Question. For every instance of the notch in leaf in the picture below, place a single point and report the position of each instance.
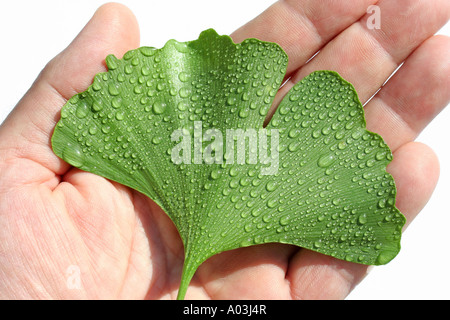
(319, 180)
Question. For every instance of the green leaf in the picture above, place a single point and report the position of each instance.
(184, 126)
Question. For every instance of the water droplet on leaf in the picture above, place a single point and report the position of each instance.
(73, 155)
(325, 160)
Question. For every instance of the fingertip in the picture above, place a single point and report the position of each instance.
(122, 23)
(415, 169)
(113, 29)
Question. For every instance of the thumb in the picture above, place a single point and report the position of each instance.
(26, 132)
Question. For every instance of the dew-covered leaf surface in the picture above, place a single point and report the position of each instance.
(184, 126)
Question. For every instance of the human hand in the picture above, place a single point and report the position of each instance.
(53, 216)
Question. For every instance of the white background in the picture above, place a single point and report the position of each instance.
(33, 32)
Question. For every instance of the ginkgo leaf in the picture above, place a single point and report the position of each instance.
(184, 125)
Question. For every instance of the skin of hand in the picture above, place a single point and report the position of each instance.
(57, 222)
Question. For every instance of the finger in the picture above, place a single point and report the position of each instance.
(301, 28)
(313, 275)
(366, 57)
(27, 130)
(414, 95)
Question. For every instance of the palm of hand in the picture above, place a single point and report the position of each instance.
(54, 217)
(98, 239)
